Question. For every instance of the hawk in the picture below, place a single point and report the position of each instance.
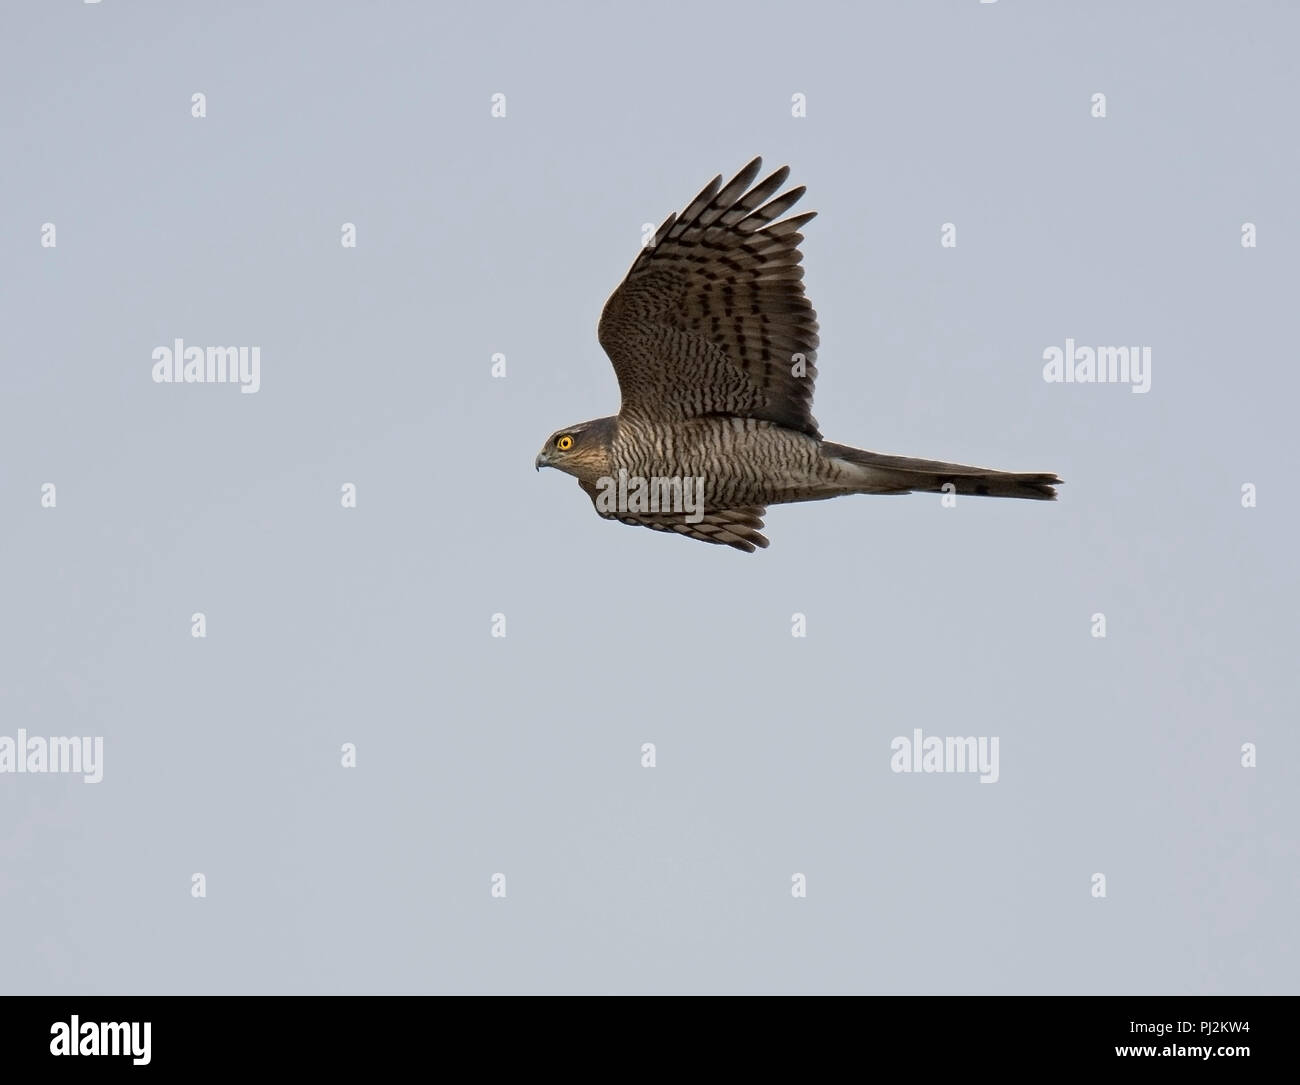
(713, 342)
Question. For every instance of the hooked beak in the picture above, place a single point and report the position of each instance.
(543, 460)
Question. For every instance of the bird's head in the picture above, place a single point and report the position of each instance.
(581, 450)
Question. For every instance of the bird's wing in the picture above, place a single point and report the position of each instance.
(741, 527)
(712, 317)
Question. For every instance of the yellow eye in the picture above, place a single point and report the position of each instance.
(564, 443)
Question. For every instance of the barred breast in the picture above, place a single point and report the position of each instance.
(743, 461)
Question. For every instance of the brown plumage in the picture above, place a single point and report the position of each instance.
(714, 342)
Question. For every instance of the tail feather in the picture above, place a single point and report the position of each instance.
(878, 473)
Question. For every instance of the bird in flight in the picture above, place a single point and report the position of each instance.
(713, 342)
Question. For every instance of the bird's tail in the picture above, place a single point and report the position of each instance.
(876, 473)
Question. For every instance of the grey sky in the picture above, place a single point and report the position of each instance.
(478, 755)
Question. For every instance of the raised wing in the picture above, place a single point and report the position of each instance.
(712, 317)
